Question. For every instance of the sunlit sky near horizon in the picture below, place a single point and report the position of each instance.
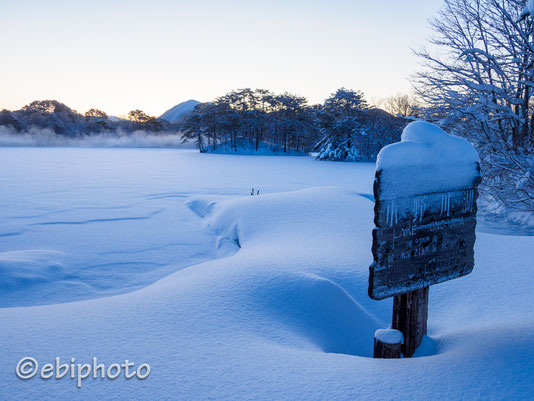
(123, 55)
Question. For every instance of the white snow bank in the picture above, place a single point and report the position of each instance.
(287, 317)
(121, 217)
(426, 160)
(389, 336)
(311, 297)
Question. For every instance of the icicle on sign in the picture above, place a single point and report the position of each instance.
(425, 211)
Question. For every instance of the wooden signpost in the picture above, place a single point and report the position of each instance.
(420, 240)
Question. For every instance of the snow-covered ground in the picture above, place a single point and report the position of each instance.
(163, 257)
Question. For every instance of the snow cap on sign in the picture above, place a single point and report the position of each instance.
(427, 160)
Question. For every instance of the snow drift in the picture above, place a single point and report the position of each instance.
(285, 315)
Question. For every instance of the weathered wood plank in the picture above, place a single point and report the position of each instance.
(421, 240)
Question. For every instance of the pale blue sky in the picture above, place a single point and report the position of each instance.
(121, 55)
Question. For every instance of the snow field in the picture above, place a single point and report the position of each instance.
(278, 308)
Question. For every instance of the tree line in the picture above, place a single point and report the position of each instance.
(62, 120)
(344, 127)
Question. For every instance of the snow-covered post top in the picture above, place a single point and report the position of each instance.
(427, 160)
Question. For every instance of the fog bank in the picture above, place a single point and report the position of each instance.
(37, 137)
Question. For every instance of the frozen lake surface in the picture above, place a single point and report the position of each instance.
(84, 223)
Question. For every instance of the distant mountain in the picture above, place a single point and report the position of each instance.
(179, 111)
(115, 119)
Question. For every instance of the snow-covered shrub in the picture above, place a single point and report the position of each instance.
(341, 143)
(509, 179)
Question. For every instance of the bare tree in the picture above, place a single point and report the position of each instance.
(402, 105)
(478, 81)
(483, 68)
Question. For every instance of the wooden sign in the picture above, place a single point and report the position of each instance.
(425, 217)
(421, 240)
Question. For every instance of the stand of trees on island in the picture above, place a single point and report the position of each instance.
(343, 128)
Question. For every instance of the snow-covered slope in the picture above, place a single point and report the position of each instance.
(70, 215)
(280, 311)
(179, 111)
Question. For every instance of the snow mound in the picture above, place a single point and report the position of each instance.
(311, 299)
(321, 311)
(201, 206)
(426, 160)
(19, 269)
